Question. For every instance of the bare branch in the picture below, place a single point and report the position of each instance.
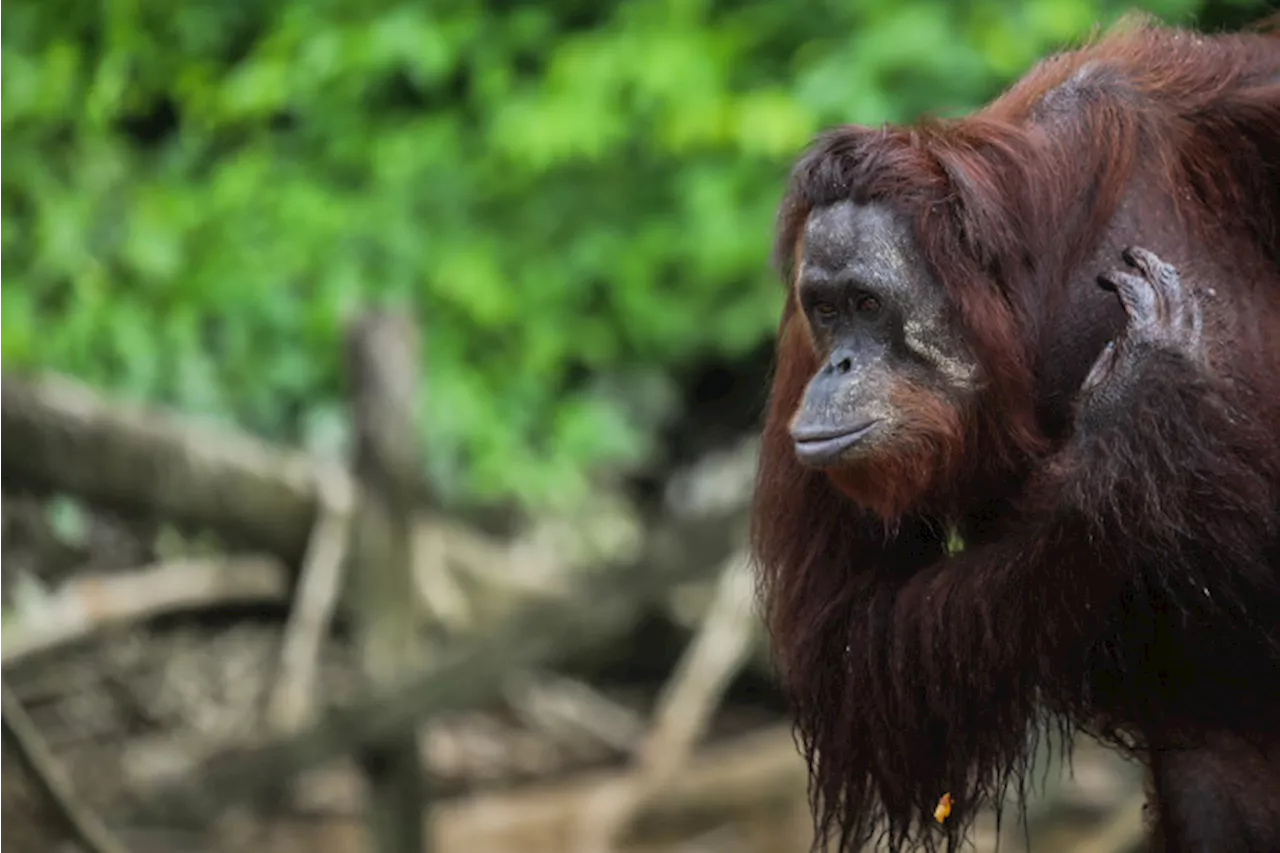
(718, 651)
(87, 828)
(317, 595)
(92, 603)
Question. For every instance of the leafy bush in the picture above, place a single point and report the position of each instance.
(575, 197)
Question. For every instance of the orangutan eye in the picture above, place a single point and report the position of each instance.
(867, 304)
(826, 313)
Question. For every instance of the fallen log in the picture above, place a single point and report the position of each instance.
(62, 436)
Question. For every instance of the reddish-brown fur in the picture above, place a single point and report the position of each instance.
(913, 673)
(925, 453)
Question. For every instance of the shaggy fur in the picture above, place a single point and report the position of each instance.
(1121, 572)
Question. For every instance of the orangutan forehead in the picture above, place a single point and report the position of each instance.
(864, 243)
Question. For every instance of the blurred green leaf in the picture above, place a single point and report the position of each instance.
(68, 520)
(575, 198)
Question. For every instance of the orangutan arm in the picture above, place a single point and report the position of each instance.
(1138, 574)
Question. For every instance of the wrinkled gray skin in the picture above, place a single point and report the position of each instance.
(851, 252)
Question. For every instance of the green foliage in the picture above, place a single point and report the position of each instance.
(196, 195)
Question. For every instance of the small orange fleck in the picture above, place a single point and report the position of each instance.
(943, 810)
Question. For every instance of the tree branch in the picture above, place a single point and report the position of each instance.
(92, 603)
(716, 653)
(317, 596)
(35, 755)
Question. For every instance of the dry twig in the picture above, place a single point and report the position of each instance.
(691, 696)
(35, 755)
(318, 587)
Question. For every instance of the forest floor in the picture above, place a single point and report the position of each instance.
(125, 712)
